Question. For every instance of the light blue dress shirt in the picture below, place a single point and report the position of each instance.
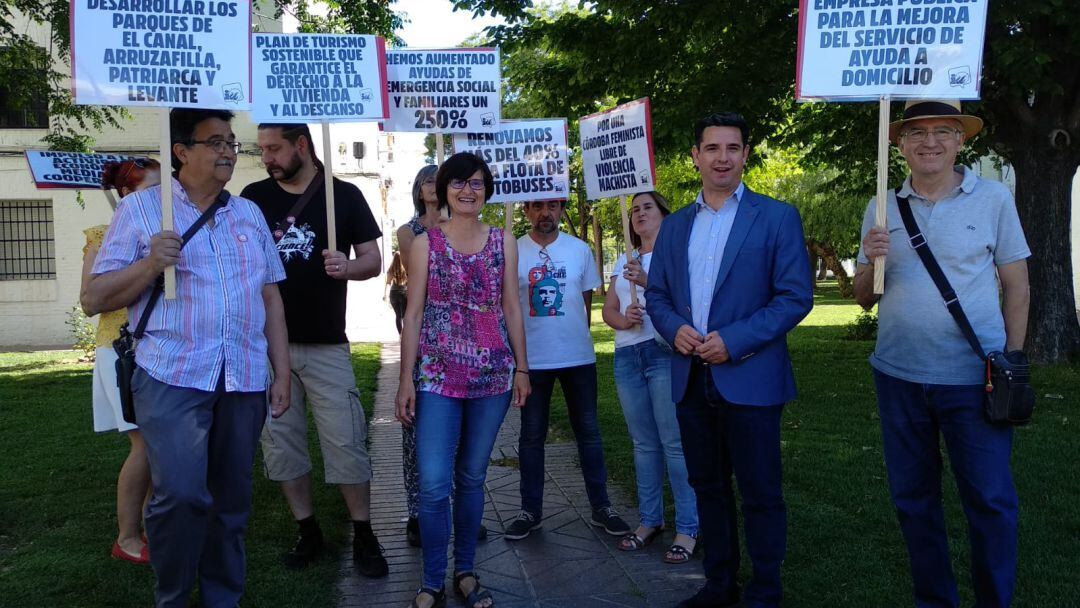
(708, 237)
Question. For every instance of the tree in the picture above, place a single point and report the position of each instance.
(690, 57)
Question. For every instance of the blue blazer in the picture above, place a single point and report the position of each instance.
(763, 289)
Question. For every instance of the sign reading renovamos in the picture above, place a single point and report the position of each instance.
(528, 159)
(443, 90)
(165, 53)
(616, 151)
(69, 170)
(300, 77)
(853, 50)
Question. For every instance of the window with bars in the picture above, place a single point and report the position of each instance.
(27, 249)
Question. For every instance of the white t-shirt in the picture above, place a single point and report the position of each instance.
(639, 333)
(551, 281)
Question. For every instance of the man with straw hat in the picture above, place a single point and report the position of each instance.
(929, 380)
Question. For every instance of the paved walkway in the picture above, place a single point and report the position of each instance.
(569, 564)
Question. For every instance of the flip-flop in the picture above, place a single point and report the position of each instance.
(633, 542)
(439, 597)
(678, 554)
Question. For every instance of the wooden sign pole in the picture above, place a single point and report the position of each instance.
(629, 244)
(328, 176)
(439, 154)
(166, 195)
(881, 215)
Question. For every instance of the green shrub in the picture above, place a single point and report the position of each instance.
(864, 327)
(83, 332)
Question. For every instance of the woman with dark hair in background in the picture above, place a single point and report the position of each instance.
(428, 215)
(462, 363)
(396, 282)
(643, 383)
(133, 484)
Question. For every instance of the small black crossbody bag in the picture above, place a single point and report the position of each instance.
(1009, 396)
(125, 344)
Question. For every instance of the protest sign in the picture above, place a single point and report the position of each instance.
(174, 53)
(317, 77)
(617, 152)
(527, 158)
(852, 50)
(69, 170)
(444, 90)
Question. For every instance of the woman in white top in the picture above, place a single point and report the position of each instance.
(643, 383)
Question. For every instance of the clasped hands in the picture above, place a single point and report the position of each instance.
(709, 348)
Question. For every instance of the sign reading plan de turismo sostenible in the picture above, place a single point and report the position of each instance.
(528, 159)
(318, 77)
(164, 53)
(616, 151)
(852, 50)
(443, 90)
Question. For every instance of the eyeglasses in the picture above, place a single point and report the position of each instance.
(428, 182)
(131, 163)
(917, 136)
(476, 185)
(219, 145)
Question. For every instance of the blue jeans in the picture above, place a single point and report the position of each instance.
(643, 382)
(912, 415)
(721, 438)
(579, 389)
(201, 448)
(440, 423)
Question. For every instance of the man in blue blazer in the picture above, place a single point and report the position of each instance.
(730, 277)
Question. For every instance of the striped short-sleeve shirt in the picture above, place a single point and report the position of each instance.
(218, 317)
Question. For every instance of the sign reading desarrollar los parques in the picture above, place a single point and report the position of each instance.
(616, 151)
(852, 50)
(528, 159)
(443, 90)
(318, 77)
(165, 53)
(69, 170)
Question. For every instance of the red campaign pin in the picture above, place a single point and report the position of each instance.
(278, 234)
(242, 238)
(291, 220)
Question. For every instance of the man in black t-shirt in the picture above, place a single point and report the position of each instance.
(314, 293)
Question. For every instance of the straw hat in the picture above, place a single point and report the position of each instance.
(918, 109)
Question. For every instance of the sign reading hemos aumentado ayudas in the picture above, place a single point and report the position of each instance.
(317, 77)
(528, 159)
(444, 90)
(163, 53)
(616, 151)
(857, 50)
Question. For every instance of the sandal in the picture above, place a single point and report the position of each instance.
(678, 554)
(477, 595)
(633, 542)
(439, 597)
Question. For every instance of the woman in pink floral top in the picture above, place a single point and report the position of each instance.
(462, 365)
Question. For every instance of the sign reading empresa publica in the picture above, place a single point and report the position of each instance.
(528, 159)
(315, 77)
(444, 90)
(616, 151)
(164, 53)
(69, 170)
(855, 50)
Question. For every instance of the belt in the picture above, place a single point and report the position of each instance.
(698, 361)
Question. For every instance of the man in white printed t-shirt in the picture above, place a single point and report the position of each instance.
(557, 275)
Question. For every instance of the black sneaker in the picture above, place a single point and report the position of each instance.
(608, 519)
(522, 526)
(412, 532)
(483, 533)
(308, 549)
(368, 556)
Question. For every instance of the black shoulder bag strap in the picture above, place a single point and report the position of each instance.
(159, 284)
(952, 302)
(290, 218)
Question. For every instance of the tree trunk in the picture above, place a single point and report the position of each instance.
(823, 272)
(1043, 184)
(813, 265)
(599, 251)
(828, 255)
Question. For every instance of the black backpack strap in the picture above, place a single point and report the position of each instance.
(159, 284)
(921, 247)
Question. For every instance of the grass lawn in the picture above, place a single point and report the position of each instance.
(844, 544)
(58, 499)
